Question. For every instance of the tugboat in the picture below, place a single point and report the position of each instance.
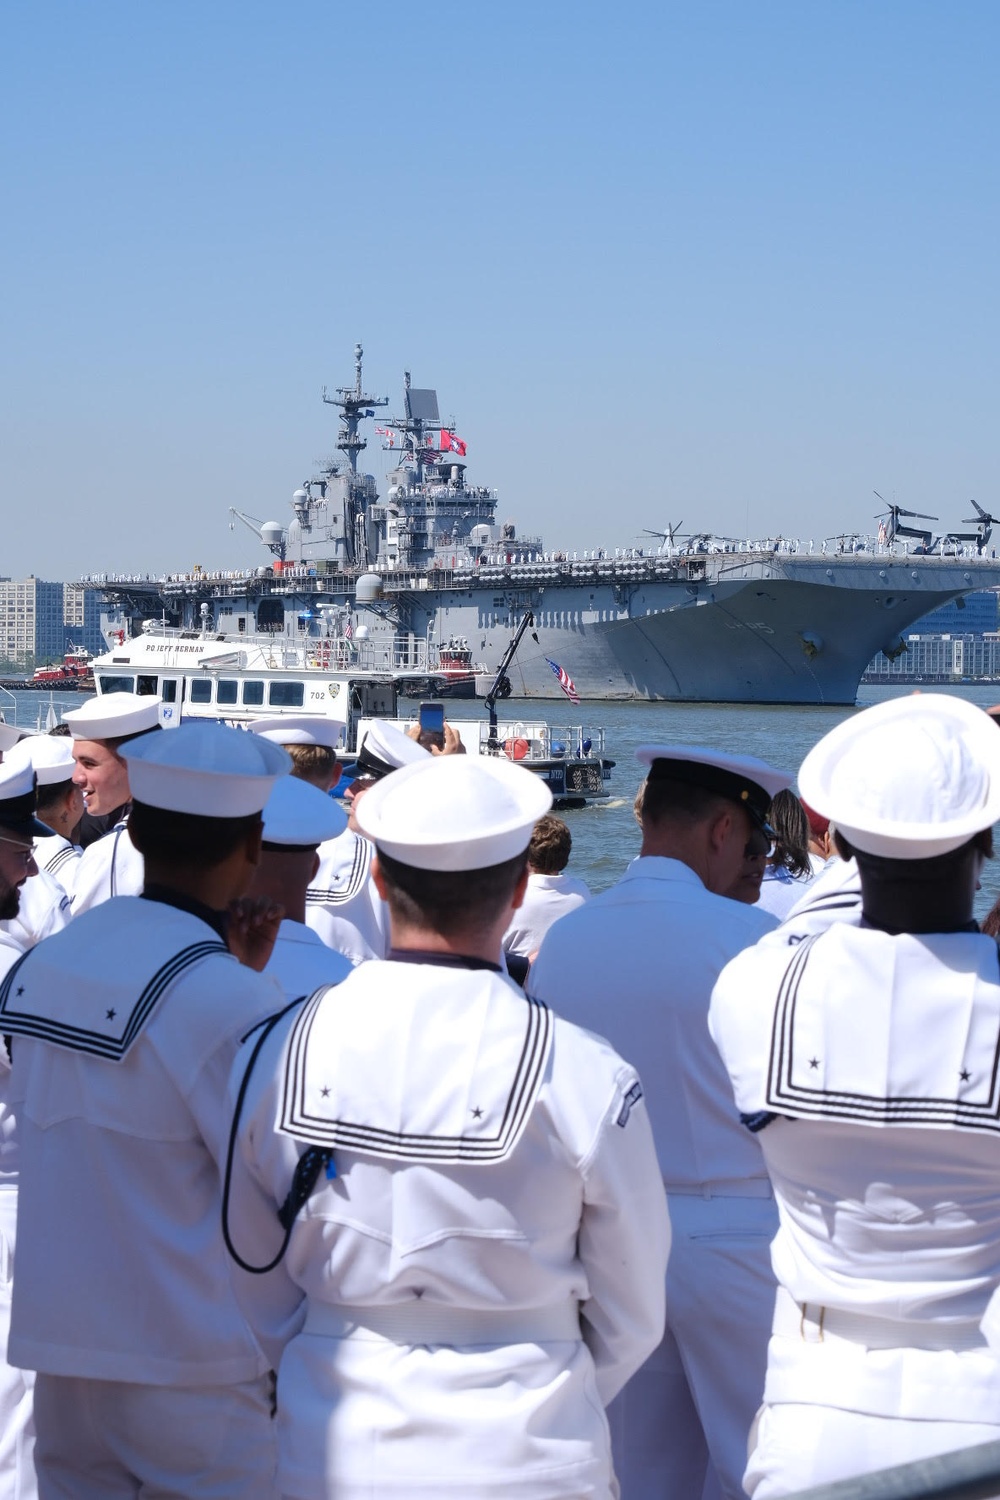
(76, 672)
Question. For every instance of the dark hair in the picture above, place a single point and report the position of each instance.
(187, 838)
(664, 799)
(61, 731)
(791, 828)
(934, 869)
(312, 763)
(449, 901)
(551, 843)
(48, 794)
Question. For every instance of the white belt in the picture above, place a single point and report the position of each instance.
(433, 1323)
(812, 1323)
(724, 1187)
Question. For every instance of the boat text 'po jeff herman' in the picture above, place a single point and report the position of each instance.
(427, 568)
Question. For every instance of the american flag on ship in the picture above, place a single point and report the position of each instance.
(348, 631)
(565, 681)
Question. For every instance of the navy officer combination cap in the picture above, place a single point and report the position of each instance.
(17, 803)
(743, 779)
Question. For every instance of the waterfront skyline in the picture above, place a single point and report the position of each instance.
(725, 265)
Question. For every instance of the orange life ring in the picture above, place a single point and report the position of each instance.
(516, 749)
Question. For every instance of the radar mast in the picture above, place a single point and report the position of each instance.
(354, 405)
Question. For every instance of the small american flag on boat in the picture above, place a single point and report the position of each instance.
(348, 631)
(565, 681)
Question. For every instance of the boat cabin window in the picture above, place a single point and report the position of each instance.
(169, 693)
(286, 694)
(225, 691)
(146, 686)
(253, 694)
(201, 690)
(121, 684)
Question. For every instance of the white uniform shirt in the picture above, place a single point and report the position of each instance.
(112, 866)
(44, 909)
(547, 898)
(780, 891)
(637, 965)
(834, 896)
(301, 962)
(342, 905)
(574, 1214)
(122, 1272)
(867, 1063)
(57, 855)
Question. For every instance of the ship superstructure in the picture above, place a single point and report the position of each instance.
(427, 564)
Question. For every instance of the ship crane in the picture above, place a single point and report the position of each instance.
(895, 528)
(271, 533)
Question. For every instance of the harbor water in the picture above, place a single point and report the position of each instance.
(605, 835)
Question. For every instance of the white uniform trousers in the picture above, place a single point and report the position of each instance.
(17, 1427)
(680, 1428)
(122, 1441)
(800, 1446)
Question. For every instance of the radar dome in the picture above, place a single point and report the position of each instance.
(271, 533)
(300, 497)
(369, 588)
(361, 634)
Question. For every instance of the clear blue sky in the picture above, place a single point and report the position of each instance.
(732, 263)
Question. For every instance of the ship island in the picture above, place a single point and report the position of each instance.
(426, 579)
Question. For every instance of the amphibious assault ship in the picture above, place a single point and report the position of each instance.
(427, 565)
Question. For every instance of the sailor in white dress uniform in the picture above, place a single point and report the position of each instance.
(297, 818)
(112, 866)
(18, 827)
(125, 1027)
(637, 964)
(60, 802)
(343, 906)
(864, 1056)
(476, 1227)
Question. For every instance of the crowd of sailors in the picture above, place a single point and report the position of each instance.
(366, 1153)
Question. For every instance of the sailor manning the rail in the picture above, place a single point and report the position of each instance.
(476, 1230)
(864, 1057)
(100, 729)
(124, 1027)
(637, 964)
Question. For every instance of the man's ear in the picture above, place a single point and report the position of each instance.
(517, 898)
(719, 829)
(378, 878)
(253, 841)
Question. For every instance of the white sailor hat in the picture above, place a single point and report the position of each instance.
(301, 815)
(739, 778)
(113, 716)
(204, 768)
(908, 779)
(385, 749)
(50, 756)
(301, 729)
(10, 735)
(17, 802)
(454, 812)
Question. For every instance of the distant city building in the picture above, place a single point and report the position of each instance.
(975, 614)
(31, 619)
(82, 608)
(939, 658)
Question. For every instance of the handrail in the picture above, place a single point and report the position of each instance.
(966, 1474)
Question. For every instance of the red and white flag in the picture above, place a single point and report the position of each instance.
(452, 444)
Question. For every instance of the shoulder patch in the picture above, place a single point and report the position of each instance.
(629, 1103)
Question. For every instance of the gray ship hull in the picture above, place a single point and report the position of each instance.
(778, 627)
(796, 630)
